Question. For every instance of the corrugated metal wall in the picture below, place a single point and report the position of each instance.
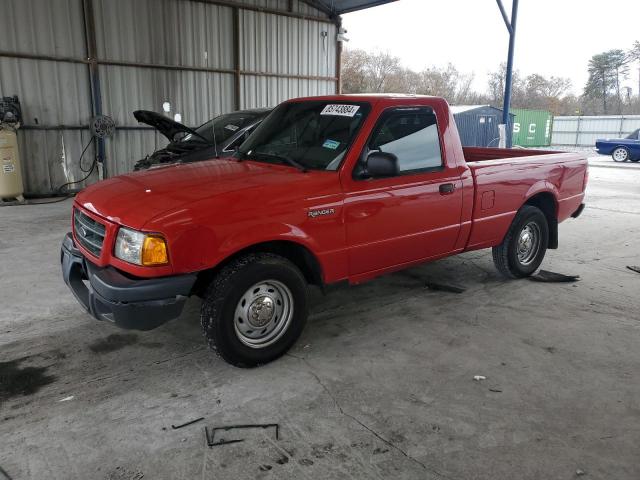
(583, 131)
(288, 48)
(53, 94)
(148, 52)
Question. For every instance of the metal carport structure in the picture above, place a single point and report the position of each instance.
(72, 59)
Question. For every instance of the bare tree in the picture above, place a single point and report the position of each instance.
(496, 84)
(634, 56)
(619, 61)
(364, 72)
(605, 71)
(369, 72)
(600, 80)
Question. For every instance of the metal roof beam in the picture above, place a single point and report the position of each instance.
(339, 7)
(503, 12)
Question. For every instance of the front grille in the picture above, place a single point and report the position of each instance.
(89, 232)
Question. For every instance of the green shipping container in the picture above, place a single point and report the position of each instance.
(532, 128)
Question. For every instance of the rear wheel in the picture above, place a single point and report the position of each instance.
(524, 247)
(620, 154)
(255, 309)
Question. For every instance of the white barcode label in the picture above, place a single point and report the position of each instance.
(340, 110)
(8, 168)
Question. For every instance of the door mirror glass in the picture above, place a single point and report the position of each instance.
(381, 164)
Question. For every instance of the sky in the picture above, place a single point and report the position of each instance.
(553, 37)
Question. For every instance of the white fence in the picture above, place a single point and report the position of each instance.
(583, 131)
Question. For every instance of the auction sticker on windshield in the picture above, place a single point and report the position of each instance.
(340, 110)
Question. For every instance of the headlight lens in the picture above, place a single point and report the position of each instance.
(140, 248)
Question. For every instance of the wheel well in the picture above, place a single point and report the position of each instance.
(546, 202)
(298, 254)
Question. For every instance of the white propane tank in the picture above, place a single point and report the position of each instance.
(10, 174)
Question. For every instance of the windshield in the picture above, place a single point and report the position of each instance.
(311, 134)
(225, 127)
(634, 135)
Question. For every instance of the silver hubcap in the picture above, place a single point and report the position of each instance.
(620, 155)
(263, 313)
(528, 243)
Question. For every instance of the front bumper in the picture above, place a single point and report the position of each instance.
(107, 294)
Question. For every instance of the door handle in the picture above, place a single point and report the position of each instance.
(447, 188)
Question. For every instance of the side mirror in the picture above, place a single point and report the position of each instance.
(381, 164)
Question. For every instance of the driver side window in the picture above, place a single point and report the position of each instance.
(411, 134)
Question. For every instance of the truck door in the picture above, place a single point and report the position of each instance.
(409, 217)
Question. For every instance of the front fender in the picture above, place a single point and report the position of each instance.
(272, 232)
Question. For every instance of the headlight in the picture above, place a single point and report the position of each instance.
(141, 248)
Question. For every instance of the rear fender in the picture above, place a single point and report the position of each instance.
(543, 186)
(538, 196)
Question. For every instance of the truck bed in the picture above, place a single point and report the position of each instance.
(502, 177)
(480, 154)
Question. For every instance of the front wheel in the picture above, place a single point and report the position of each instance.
(255, 309)
(620, 154)
(524, 247)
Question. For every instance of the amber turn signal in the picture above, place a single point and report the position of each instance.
(154, 251)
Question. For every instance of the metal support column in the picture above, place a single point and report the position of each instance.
(338, 57)
(236, 57)
(94, 77)
(511, 28)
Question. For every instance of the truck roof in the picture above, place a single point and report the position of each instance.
(359, 97)
(386, 98)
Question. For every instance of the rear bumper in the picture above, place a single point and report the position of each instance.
(107, 294)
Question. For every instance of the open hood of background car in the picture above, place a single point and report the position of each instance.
(167, 127)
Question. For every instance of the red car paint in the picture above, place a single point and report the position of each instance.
(211, 210)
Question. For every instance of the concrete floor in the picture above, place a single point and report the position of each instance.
(379, 386)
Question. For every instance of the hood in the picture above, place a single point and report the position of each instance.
(167, 127)
(136, 198)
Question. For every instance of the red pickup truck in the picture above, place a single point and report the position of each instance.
(326, 189)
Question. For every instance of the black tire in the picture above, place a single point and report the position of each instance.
(505, 255)
(622, 153)
(223, 297)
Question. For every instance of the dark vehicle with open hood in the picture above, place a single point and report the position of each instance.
(216, 138)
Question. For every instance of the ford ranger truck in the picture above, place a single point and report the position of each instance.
(325, 190)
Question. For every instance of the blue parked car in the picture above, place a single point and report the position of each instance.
(621, 149)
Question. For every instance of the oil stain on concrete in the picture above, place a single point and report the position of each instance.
(113, 342)
(20, 381)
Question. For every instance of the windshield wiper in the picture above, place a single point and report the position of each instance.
(286, 158)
